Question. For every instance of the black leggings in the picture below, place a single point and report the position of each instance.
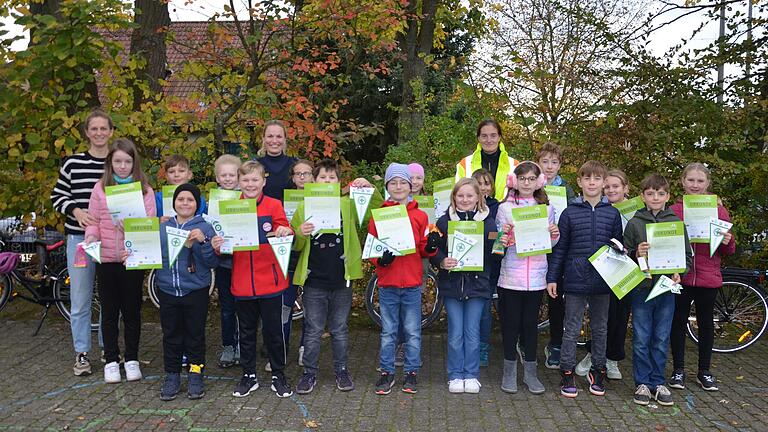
(120, 295)
(705, 305)
(518, 314)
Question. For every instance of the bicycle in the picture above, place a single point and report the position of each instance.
(431, 302)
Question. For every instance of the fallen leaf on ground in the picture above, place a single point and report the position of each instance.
(661, 428)
(311, 424)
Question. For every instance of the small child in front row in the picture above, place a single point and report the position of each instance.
(399, 281)
(465, 292)
(183, 293)
(177, 172)
(587, 224)
(651, 320)
(522, 279)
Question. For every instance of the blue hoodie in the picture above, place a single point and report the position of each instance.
(178, 280)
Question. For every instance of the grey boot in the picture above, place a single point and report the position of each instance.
(509, 380)
(531, 379)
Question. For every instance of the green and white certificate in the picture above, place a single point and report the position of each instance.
(667, 252)
(442, 192)
(239, 221)
(617, 270)
(125, 201)
(467, 246)
(291, 200)
(394, 228)
(216, 195)
(558, 197)
(322, 205)
(698, 210)
(168, 191)
(531, 230)
(427, 205)
(142, 241)
(628, 208)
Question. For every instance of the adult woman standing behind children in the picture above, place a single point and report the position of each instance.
(700, 286)
(276, 163)
(491, 155)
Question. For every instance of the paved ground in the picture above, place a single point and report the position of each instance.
(39, 392)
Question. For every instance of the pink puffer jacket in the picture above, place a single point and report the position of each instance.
(111, 237)
(522, 273)
(705, 271)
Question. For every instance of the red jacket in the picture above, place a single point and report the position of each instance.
(705, 271)
(405, 271)
(257, 273)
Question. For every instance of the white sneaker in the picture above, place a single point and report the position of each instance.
(471, 385)
(456, 386)
(301, 355)
(112, 373)
(582, 369)
(268, 367)
(132, 371)
(613, 371)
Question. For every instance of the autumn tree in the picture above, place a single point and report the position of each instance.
(148, 46)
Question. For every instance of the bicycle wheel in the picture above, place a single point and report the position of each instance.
(431, 302)
(740, 317)
(152, 287)
(61, 293)
(6, 286)
(297, 312)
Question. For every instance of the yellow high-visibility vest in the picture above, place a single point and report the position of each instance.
(473, 162)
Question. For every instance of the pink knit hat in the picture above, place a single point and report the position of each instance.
(415, 168)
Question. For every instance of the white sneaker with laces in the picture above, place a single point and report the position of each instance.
(112, 373)
(132, 371)
(613, 372)
(582, 369)
(456, 386)
(471, 385)
(268, 367)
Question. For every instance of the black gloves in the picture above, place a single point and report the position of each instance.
(433, 241)
(387, 258)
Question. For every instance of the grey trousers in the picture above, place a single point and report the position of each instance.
(598, 326)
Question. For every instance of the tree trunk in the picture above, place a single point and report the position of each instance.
(148, 43)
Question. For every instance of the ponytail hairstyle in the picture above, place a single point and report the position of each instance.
(621, 175)
(263, 150)
(697, 166)
(98, 113)
(540, 195)
(127, 146)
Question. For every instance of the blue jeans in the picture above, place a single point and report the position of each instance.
(229, 327)
(400, 305)
(80, 297)
(651, 325)
(463, 360)
(329, 306)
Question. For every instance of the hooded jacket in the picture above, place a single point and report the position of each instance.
(177, 280)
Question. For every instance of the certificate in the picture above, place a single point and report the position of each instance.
(617, 270)
(558, 197)
(442, 193)
(531, 230)
(427, 205)
(322, 205)
(628, 208)
(167, 194)
(125, 201)
(216, 195)
(667, 252)
(465, 243)
(394, 228)
(698, 210)
(291, 200)
(238, 220)
(142, 241)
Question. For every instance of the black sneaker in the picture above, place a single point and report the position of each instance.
(344, 380)
(568, 384)
(171, 387)
(385, 383)
(707, 381)
(677, 380)
(663, 396)
(195, 386)
(596, 379)
(247, 384)
(642, 395)
(306, 383)
(281, 387)
(410, 385)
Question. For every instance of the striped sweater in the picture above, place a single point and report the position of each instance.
(77, 176)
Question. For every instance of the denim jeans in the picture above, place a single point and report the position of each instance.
(329, 306)
(80, 297)
(400, 305)
(463, 360)
(598, 325)
(651, 325)
(229, 333)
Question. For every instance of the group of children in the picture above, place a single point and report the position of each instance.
(253, 289)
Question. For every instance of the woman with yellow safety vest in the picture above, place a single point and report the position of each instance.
(491, 155)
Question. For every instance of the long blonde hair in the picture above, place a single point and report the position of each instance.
(481, 206)
(697, 166)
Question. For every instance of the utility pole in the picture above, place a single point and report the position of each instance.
(721, 67)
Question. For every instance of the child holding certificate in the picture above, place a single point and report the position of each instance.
(119, 289)
(522, 279)
(177, 171)
(586, 225)
(258, 285)
(652, 318)
(225, 167)
(187, 243)
(465, 292)
(701, 285)
(403, 226)
(327, 263)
